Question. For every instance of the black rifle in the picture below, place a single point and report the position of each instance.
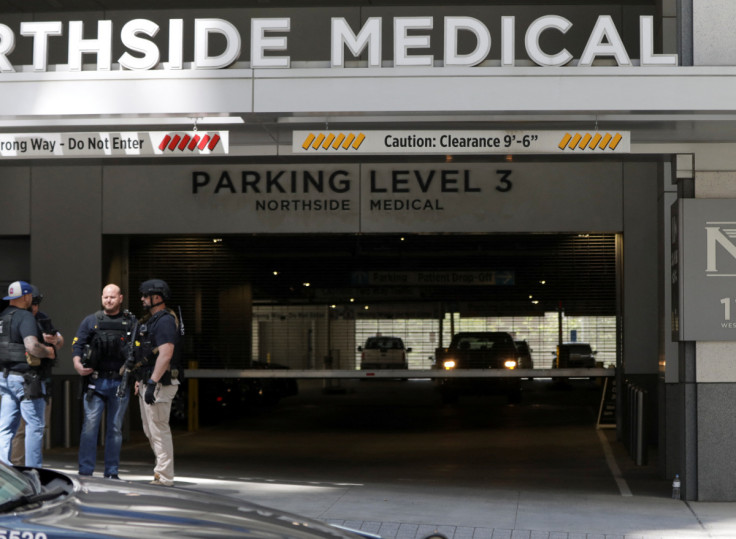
(129, 366)
(46, 326)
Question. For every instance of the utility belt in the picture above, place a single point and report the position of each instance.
(32, 382)
(21, 368)
(8, 371)
(111, 374)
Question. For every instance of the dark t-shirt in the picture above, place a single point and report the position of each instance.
(162, 328)
(23, 325)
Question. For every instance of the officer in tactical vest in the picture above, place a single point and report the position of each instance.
(99, 349)
(23, 360)
(47, 334)
(157, 375)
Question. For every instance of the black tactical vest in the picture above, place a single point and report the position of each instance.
(10, 353)
(148, 353)
(108, 344)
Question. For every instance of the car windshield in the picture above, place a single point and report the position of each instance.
(13, 484)
(580, 349)
(378, 342)
(475, 343)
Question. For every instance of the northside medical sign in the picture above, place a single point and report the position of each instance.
(703, 271)
(269, 43)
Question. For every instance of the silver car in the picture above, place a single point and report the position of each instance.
(46, 504)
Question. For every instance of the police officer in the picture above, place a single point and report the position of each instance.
(99, 348)
(48, 334)
(157, 378)
(22, 359)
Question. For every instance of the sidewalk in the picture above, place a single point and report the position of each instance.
(406, 510)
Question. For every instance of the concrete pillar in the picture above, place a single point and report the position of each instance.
(65, 253)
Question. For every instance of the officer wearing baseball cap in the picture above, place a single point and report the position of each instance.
(22, 389)
(47, 334)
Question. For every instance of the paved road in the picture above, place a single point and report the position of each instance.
(388, 457)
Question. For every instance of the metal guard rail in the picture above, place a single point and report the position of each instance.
(399, 373)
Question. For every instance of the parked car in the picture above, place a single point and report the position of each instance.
(41, 503)
(383, 353)
(525, 355)
(574, 355)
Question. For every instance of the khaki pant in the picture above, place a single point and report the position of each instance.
(18, 451)
(155, 418)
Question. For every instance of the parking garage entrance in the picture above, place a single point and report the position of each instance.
(309, 301)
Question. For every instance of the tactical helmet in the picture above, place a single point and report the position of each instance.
(155, 286)
(36, 295)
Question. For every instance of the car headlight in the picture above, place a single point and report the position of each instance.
(448, 364)
(510, 363)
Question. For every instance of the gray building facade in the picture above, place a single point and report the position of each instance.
(348, 118)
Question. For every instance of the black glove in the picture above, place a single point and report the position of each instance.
(150, 388)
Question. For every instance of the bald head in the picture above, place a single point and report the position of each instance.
(112, 299)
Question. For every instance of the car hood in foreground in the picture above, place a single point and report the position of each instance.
(106, 508)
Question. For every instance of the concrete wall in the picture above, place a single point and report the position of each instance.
(641, 316)
(714, 42)
(700, 428)
(66, 246)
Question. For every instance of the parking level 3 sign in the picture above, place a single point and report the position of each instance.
(460, 142)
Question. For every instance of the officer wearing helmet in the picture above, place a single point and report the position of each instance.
(48, 334)
(157, 381)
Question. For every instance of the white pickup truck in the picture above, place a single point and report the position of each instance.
(383, 353)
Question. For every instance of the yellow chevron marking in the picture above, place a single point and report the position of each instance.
(328, 141)
(595, 141)
(318, 141)
(338, 141)
(359, 141)
(348, 141)
(590, 141)
(615, 141)
(308, 141)
(584, 142)
(564, 141)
